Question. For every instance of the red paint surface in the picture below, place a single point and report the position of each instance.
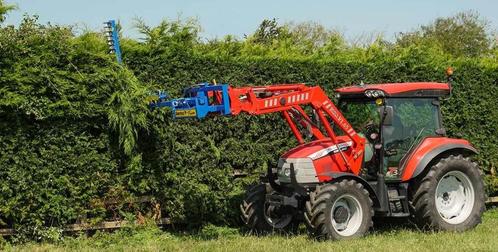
(288, 99)
(331, 162)
(427, 145)
(396, 88)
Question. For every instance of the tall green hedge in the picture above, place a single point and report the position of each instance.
(75, 130)
(216, 146)
(61, 139)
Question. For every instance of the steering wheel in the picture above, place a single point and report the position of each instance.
(393, 147)
(372, 132)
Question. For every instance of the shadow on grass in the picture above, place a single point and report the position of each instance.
(384, 225)
(213, 232)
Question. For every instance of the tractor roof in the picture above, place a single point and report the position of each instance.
(408, 89)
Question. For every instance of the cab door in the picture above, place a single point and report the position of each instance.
(413, 119)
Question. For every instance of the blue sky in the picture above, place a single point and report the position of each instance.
(222, 17)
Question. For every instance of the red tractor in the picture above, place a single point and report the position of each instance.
(383, 153)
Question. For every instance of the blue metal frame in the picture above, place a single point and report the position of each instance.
(195, 102)
(113, 39)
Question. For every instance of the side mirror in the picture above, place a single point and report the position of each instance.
(387, 112)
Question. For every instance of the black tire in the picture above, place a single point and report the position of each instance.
(253, 213)
(423, 195)
(318, 215)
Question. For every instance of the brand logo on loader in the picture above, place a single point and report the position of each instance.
(337, 115)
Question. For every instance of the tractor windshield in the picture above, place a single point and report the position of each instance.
(364, 117)
(361, 114)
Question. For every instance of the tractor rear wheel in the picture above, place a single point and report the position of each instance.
(260, 217)
(339, 211)
(450, 196)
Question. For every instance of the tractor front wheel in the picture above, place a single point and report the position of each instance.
(339, 211)
(260, 217)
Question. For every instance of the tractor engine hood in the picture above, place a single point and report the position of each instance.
(309, 160)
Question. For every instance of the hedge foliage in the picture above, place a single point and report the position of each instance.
(63, 101)
(76, 132)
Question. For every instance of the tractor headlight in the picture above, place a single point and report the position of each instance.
(303, 168)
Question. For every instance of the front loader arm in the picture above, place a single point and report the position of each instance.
(207, 99)
(284, 98)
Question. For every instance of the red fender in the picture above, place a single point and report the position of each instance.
(416, 162)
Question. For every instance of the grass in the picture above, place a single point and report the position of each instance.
(398, 238)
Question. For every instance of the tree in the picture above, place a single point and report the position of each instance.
(311, 37)
(311, 32)
(179, 33)
(4, 8)
(303, 38)
(462, 35)
(268, 31)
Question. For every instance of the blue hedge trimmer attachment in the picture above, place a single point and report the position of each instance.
(198, 101)
(112, 36)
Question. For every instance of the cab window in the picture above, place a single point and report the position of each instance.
(413, 120)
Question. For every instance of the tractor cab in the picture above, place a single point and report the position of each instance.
(394, 119)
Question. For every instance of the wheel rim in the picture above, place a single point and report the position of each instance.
(346, 215)
(454, 197)
(274, 218)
